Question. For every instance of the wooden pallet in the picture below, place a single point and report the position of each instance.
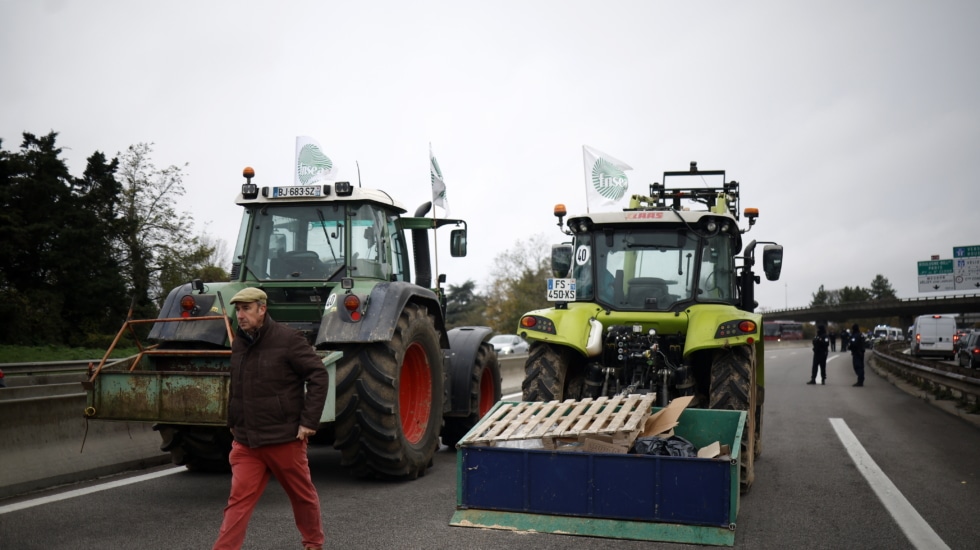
(617, 418)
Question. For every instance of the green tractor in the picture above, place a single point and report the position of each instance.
(334, 262)
(655, 298)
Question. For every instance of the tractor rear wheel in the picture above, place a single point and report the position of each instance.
(732, 381)
(389, 400)
(484, 394)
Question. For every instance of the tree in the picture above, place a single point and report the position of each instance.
(464, 307)
(75, 250)
(856, 294)
(35, 194)
(197, 263)
(88, 271)
(58, 277)
(820, 298)
(881, 289)
(155, 243)
(517, 284)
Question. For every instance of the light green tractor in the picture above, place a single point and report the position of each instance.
(658, 297)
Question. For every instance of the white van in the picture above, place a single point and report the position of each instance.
(886, 333)
(932, 335)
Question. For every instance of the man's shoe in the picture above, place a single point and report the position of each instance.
(810, 383)
(858, 385)
(824, 381)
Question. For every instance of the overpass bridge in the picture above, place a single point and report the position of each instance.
(906, 309)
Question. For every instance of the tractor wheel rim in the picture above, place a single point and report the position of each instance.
(486, 392)
(415, 393)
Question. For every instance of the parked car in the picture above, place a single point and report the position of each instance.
(969, 352)
(960, 338)
(506, 344)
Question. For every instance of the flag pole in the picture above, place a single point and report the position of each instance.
(435, 243)
(585, 173)
(435, 225)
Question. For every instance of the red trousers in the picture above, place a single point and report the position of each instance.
(250, 471)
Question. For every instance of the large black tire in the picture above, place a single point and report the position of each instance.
(389, 400)
(549, 374)
(199, 448)
(732, 378)
(484, 394)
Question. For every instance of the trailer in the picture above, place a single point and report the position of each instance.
(531, 467)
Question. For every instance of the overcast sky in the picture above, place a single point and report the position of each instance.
(853, 126)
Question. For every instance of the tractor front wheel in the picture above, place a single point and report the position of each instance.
(549, 374)
(732, 381)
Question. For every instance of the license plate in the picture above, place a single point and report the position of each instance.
(292, 191)
(561, 290)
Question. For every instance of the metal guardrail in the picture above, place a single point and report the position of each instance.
(46, 367)
(941, 382)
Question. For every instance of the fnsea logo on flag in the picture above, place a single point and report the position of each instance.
(608, 180)
(605, 179)
(438, 184)
(312, 164)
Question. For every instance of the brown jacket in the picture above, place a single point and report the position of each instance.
(267, 402)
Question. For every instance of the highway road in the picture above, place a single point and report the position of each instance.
(842, 467)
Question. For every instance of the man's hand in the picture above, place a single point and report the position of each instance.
(304, 432)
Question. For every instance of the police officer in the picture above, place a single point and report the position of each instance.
(856, 345)
(821, 343)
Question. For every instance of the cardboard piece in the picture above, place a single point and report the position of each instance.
(666, 418)
(593, 445)
(710, 451)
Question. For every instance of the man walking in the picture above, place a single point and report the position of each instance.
(277, 393)
(856, 345)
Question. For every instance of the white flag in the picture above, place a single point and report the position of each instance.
(438, 185)
(312, 165)
(605, 180)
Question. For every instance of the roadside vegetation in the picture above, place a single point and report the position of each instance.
(879, 290)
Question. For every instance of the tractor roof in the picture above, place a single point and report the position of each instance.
(658, 215)
(324, 193)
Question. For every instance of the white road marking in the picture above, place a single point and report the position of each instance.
(88, 490)
(919, 533)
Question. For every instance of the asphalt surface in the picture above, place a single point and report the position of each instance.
(808, 491)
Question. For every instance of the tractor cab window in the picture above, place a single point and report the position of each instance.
(319, 242)
(399, 251)
(296, 242)
(645, 269)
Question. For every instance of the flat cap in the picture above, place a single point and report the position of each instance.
(249, 295)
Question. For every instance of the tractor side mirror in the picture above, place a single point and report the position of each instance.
(561, 260)
(457, 243)
(772, 261)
